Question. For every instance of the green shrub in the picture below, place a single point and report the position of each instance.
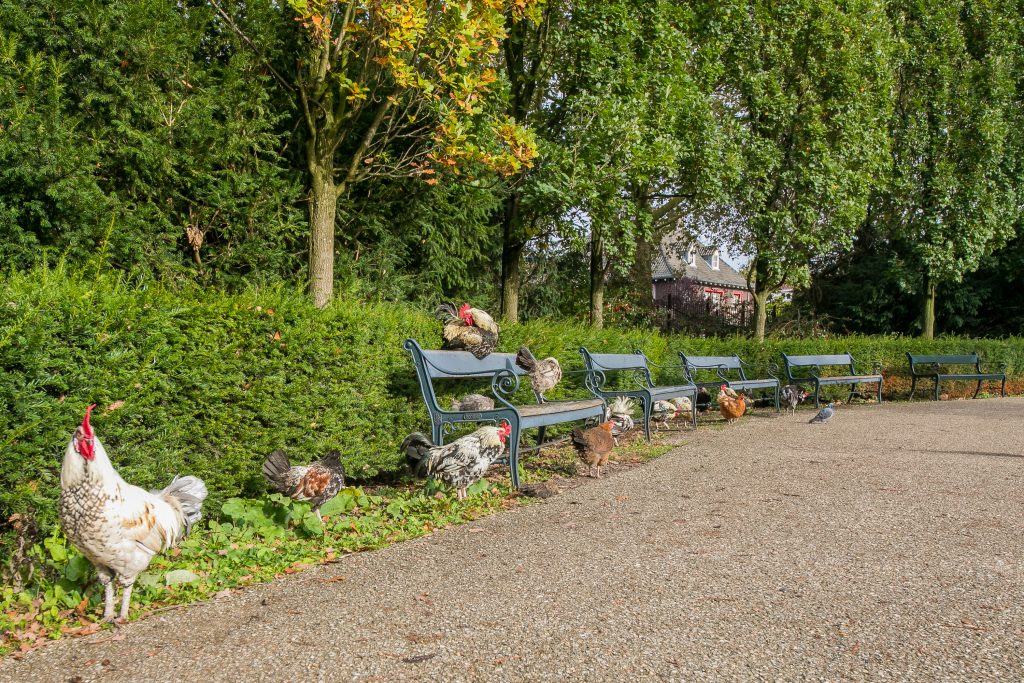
(205, 383)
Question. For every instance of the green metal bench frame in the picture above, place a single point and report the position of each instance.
(935, 373)
(639, 366)
(722, 365)
(814, 365)
(504, 377)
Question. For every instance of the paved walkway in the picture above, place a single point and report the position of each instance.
(888, 545)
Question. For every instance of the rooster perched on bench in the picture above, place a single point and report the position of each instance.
(468, 329)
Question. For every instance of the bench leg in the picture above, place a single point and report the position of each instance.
(977, 389)
(913, 388)
(777, 408)
(1002, 391)
(879, 393)
(437, 429)
(693, 410)
(540, 436)
(817, 392)
(513, 455)
(853, 392)
(937, 388)
(647, 406)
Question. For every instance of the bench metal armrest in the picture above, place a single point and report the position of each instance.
(504, 385)
(773, 371)
(590, 377)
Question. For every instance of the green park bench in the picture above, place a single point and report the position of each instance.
(501, 371)
(728, 370)
(938, 369)
(812, 367)
(642, 386)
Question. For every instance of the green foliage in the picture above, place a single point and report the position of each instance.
(209, 384)
(810, 92)
(256, 541)
(134, 130)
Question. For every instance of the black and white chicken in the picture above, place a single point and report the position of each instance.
(793, 395)
(461, 463)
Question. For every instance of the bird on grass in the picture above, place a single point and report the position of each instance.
(315, 483)
(461, 463)
(825, 414)
(119, 527)
(471, 402)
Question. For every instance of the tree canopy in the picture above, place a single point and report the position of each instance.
(528, 155)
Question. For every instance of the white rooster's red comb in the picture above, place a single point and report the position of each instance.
(86, 427)
(464, 309)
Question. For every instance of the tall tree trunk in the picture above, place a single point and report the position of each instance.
(761, 312)
(641, 273)
(323, 207)
(928, 312)
(760, 289)
(596, 279)
(511, 255)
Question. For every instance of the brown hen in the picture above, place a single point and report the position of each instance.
(594, 445)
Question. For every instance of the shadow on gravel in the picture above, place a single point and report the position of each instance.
(981, 453)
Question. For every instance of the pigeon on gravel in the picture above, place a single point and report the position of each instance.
(825, 414)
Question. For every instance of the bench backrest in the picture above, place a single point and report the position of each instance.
(791, 362)
(971, 359)
(693, 364)
(615, 362)
(432, 365)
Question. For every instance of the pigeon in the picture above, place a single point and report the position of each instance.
(793, 395)
(825, 414)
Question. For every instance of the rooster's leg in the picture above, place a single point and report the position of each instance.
(462, 494)
(107, 579)
(126, 598)
(319, 517)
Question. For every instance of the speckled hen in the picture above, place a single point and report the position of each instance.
(315, 483)
(461, 463)
(117, 526)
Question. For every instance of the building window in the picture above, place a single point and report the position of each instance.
(714, 260)
(691, 257)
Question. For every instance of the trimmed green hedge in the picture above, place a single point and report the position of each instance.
(206, 383)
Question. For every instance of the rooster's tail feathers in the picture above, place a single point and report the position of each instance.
(446, 312)
(190, 492)
(525, 359)
(275, 469)
(416, 448)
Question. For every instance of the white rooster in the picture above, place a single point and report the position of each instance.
(117, 526)
(620, 414)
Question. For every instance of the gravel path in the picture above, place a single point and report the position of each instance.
(887, 545)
